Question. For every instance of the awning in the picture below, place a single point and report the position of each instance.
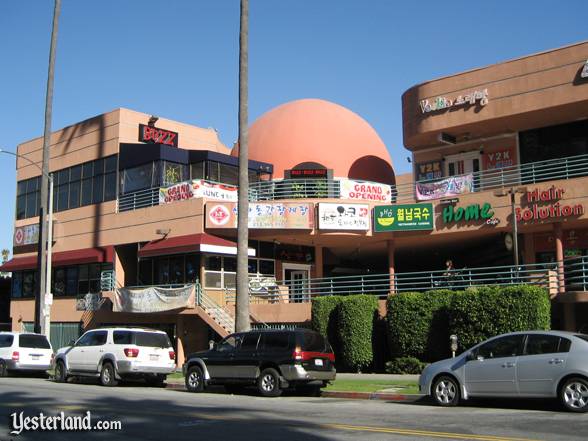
(203, 242)
(63, 258)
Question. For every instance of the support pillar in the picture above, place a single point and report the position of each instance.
(318, 261)
(179, 340)
(559, 257)
(391, 265)
(529, 251)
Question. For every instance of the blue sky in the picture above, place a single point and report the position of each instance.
(179, 59)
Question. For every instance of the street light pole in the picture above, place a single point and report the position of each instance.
(515, 232)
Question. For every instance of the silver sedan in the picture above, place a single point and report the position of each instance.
(519, 364)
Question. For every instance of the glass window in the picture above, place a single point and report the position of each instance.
(21, 188)
(6, 341)
(230, 280)
(197, 170)
(21, 206)
(276, 341)
(213, 263)
(71, 283)
(249, 341)
(86, 191)
(313, 342)
(228, 174)
(87, 170)
(86, 339)
(75, 173)
(228, 344)
(138, 178)
(59, 282)
(110, 164)
(33, 341)
(145, 272)
(192, 268)
(97, 189)
(122, 337)
(17, 285)
(267, 267)
(31, 205)
(99, 338)
(212, 279)
(252, 266)
(62, 197)
(174, 173)
(152, 340)
(541, 344)
(110, 186)
(28, 284)
(74, 194)
(176, 270)
(564, 345)
(230, 264)
(509, 346)
(161, 271)
(98, 167)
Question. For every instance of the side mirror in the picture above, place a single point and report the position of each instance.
(72, 343)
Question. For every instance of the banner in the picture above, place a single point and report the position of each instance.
(26, 235)
(153, 299)
(344, 216)
(263, 215)
(197, 188)
(365, 191)
(403, 217)
(452, 186)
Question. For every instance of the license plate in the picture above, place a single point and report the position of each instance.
(35, 357)
(318, 362)
(154, 357)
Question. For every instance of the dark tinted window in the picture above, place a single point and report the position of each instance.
(122, 337)
(276, 341)
(313, 342)
(152, 339)
(542, 344)
(508, 346)
(564, 345)
(86, 339)
(99, 338)
(33, 341)
(582, 336)
(229, 343)
(6, 341)
(249, 341)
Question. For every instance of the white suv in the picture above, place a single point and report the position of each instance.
(24, 353)
(115, 354)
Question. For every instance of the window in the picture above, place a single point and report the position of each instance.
(221, 272)
(28, 283)
(276, 341)
(122, 337)
(174, 173)
(86, 339)
(99, 338)
(541, 344)
(152, 340)
(16, 285)
(228, 344)
(249, 342)
(509, 346)
(28, 193)
(34, 341)
(6, 341)
(59, 282)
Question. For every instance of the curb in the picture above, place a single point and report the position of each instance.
(399, 398)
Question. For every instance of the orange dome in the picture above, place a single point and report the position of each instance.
(319, 132)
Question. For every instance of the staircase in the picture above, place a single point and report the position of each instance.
(215, 311)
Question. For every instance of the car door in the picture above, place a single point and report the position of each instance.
(493, 372)
(76, 355)
(541, 364)
(94, 351)
(245, 361)
(220, 360)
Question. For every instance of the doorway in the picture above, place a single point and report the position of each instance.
(296, 277)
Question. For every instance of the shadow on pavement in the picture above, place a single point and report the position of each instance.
(540, 404)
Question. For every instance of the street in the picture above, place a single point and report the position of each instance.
(156, 414)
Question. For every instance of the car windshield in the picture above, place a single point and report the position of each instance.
(152, 339)
(34, 341)
(313, 342)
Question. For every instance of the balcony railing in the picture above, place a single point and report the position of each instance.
(138, 199)
(381, 285)
(576, 273)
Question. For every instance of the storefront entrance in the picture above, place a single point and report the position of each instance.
(296, 277)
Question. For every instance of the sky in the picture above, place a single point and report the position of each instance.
(179, 59)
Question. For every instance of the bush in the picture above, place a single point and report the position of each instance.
(418, 324)
(491, 310)
(405, 365)
(356, 317)
(324, 319)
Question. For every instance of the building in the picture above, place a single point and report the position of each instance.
(145, 208)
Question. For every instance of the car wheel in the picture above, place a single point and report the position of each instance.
(107, 375)
(60, 372)
(574, 394)
(195, 379)
(3, 369)
(446, 391)
(268, 383)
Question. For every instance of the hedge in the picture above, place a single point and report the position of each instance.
(324, 319)
(357, 315)
(418, 324)
(405, 365)
(487, 311)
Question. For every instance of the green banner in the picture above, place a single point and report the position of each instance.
(403, 217)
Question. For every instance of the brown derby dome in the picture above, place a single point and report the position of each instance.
(319, 132)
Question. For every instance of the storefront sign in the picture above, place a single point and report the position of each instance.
(403, 217)
(498, 159)
(442, 102)
(427, 171)
(268, 215)
(536, 210)
(197, 188)
(157, 136)
(307, 173)
(452, 186)
(473, 212)
(365, 191)
(26, 235)
(344, 217)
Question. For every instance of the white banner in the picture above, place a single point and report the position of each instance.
(344, 217)
(365, 191)
(153, 299)
(197, 188)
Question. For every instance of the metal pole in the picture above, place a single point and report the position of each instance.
(515, 236)
(48, 294)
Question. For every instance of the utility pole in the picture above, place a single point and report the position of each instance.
(42, 314)
(242, 322)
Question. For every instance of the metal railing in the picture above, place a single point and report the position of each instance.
(294, 189)
(576, 273)
(107, 280)
(381, 285)
(214, 310)
(138, 199)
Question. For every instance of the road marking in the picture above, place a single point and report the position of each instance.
(399, 431)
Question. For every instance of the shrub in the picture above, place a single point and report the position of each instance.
(324, 319)
(418, 324)
(405, 365)
(491, 310)
(356, 316)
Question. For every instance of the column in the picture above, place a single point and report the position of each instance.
(559, 256)
(318, 261)
(391, 263)
(529, 251)
(179, 340)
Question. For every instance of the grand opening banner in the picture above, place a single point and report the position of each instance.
(262, 215)
(452, 186)
(365, 191)
(197, 188)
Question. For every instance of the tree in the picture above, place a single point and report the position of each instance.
(242, 322)
(5, 255)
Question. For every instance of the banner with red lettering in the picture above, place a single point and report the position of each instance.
(365, 191)
(197, 188)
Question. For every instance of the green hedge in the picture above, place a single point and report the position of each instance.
(487, 311)
(418, 324)
(324, 319)
(405, 365)
(357, 315)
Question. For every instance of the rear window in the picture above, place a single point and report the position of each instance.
(34, 341)
(313, 342)
(6, 341)
(122, 337)
(276, 341)
(152, 339)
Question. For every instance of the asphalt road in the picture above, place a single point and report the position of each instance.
(163, 414)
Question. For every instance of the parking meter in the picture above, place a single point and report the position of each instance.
(453, 344)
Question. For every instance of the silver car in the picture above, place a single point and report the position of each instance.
(519, 364)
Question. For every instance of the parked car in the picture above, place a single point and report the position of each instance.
(270, 359)
(519, 364)
(24, 353)
(115, 354)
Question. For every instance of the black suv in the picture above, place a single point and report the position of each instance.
(271, 359)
